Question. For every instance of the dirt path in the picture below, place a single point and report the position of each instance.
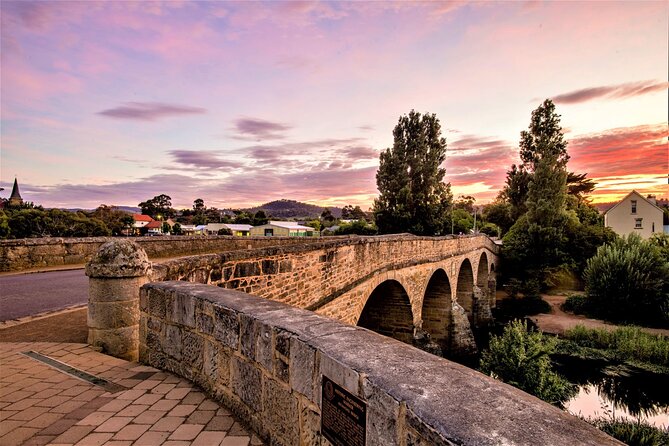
(557, 321)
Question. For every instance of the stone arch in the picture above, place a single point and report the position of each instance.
(465, 286)
(492, 267)
(482, 271)
(437, 306)
(388, 312)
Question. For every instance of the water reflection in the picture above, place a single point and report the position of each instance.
(620, 390)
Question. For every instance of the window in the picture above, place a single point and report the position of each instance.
(637, 223)
(653, 230)
(634, 206)
(269, 232)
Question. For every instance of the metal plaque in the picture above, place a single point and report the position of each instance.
(343, 415)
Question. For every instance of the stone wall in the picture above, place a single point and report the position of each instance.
(26, 254)
(265, 360)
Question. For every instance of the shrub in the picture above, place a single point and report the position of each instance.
(576, 303)
(628, 281)
(224, 231)
(625, 342)
(632, 433)
(515, 308)
(522, 358)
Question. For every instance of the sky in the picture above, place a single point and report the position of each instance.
(241, 103)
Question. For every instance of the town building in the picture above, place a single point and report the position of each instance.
(15, 198)
(635, 214)
(238, 230)
(283, 229)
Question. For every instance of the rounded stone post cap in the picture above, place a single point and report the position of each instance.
(119, 258)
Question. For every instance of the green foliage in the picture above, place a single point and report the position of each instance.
(115, 219)
(260, 218)
(353, 213)
(462, 221)
(522, 358)
(165, 228)
(632, 433)
(315, 223)
(624, 342)
(4, 225)
(628, 281)
(327, 219)
(661, 241)
(243, 217)
(176, 229)
(412, 194)
(27, 223)
(360, 227)
(500, 214)
(576, 303)
(519, 307)
(158, 205)
(224, 231)
(490, 229)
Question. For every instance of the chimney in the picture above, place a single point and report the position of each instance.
(652, 199)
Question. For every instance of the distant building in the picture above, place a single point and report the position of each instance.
(141, 220)
(154, 227)
(283, 229)
(237, 230)
(635, 214)
(15, 198)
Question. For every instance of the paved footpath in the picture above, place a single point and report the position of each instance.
(132, 404)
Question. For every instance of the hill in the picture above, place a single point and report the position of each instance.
(293, 209)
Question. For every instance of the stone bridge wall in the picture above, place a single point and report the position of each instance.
(26, 254)
(265, 360)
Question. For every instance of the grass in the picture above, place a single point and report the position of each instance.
(624, 343)
(632, 433)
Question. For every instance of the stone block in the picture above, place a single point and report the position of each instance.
(340, 373)
(248, 332)
(157, 304)
(280, 412)
(264, 346)
(282, 342)
(172, 341)
(246, 269)
(310, 424)
(183, 310)
(382, 416)
(226, 327)
(193, 349)
(118, 342)
(270, 266)
(105, 315)
(114, 289)
(246, 383)
(302, 368)
(204, 323)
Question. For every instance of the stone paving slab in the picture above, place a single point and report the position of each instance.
(41, 405)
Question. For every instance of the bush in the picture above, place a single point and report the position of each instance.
(628, 281)
(522, 358)
(632, 433)
(515, 308)
(576, 303)
(224, 231)
(625, 342)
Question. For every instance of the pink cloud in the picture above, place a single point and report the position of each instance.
(255, 128)
(150, 111)
(620, 91)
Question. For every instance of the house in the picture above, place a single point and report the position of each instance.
(635, 214)
(237, 230)
(154, 227)
(283, 229)
(141, 220)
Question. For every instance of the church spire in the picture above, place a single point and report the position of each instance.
(15, 199)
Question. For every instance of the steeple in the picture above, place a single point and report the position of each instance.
(15, 199)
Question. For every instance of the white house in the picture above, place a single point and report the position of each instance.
(238, 230)
(284, 229)
(635, 214)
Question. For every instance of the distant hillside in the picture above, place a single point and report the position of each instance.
(293, 209)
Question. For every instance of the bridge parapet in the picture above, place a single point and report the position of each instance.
(266, 361)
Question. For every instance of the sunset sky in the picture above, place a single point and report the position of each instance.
(240, 103)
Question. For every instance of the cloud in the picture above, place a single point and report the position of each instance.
(620, 91)
(203, 159)
(254, 128)
(150, 111)
(620, 151)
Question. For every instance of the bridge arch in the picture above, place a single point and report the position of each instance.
(437, 306)
(482, 271)
(465, 286)
(388, 312)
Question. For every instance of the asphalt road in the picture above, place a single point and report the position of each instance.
(29, 294)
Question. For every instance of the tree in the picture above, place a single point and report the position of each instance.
(499, 213)
(176, 229)
(114, 218)
(412, 194)
(628, 281)
(353, 213)
(165, 228)
(158, 205)
(198, 205)
(536, 245)
(522, 358)
(327, 219)
(359, 227)
(260, 218)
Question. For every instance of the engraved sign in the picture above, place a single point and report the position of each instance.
(343, 418)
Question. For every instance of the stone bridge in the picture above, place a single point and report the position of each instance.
(425, 291)
(268, 360)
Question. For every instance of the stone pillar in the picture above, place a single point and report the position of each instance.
(492, 292)
(463, 343)
(482, 313)
(116, 272)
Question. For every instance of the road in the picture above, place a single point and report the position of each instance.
(29, 294)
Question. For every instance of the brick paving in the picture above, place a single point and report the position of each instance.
(40, 405)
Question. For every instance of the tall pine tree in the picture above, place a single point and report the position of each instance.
(413, 196)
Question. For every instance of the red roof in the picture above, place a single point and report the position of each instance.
(141, 217)
(153, 225)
